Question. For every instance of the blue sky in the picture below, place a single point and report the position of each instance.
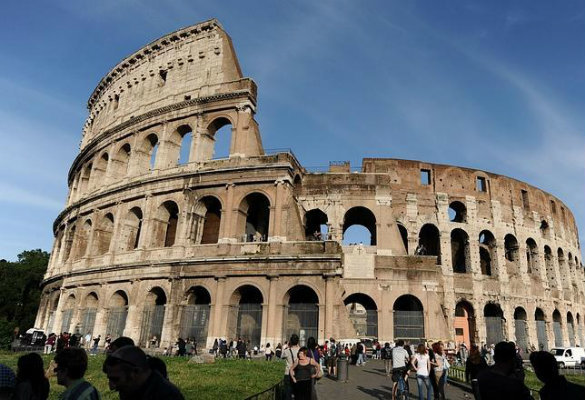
(493, 85)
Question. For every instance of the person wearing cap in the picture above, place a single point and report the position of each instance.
(7, 382)
(71, 366)
(130, 374)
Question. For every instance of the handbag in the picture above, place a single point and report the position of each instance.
(319, 371)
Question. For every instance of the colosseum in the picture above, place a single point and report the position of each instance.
(162, 238)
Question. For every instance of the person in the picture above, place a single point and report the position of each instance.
(88, 340)
(130, 374)
(49, 343)
(499, 382)
(332, 358)
(223, 348)
(268, 352)
(108, 341)
(7, 382)
(361, 353)
(421, 362)
(474, 364)
(312, 351)
(31, 383)
(118, 343)
(242, 350)
(96, 342)
(386, 355)
(302, 373)
(463, 353)
(290, 355)
(555, 386)
(440, 370)
(278, 351)
(71, 366)
(153, 341)
(400, 362)
(182, 350)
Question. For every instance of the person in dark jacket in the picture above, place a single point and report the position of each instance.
(475, 364)
(555, 386)
(31, 383)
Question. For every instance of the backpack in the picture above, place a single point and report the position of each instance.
(333, 350)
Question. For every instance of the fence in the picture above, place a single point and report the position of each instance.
(275, 392)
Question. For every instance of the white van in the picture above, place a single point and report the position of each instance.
(568, 356)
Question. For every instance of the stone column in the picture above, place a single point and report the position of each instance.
(229, 217)
(330, 301)
(218, 312)
(274, 321)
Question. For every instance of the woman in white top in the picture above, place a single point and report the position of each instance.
(422, 364)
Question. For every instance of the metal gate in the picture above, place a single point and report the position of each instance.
(87, 320)
(558, 334)
(249, 323)
(194, 323)
(152, 324)
(371, 323)
(494, 330)
(66, 322)
(571, 330)
(521, 330)
(117, 321)
(541, 335)
(302, 319)
(409, 325)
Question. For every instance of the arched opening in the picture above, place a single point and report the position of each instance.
(88, 314)
(409, 323)
(153, 317)
(85, 177)
(457, 212)
(550, 268)
(121, 161)
(512, 255)
(83, 239)
(207, 220)
(195, 315)
(104, 234)
(487, 252)
(557, 328)
(521, 329)
(117, 314)
(316, 225)
(302, 313)
(464, 323)
(67, 315)
(404, 236)
(563, 268)
(571, 329)
(544, 229)
(541, 336)
(100, 170)
(151, 144)
(494, 323)
(363, 313)
(220, 131)
(132, 229)
(460, 251)
(429, 243)
(185, 135)
(52, 308)
(69, 240)
(165, 225)
(254, 216)
(360, 218)
(245, 319)
(531, 256)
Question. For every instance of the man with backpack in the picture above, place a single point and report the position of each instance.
(332, 358)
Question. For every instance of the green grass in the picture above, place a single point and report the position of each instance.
(225, 379)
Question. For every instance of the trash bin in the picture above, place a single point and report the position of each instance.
(342, 369)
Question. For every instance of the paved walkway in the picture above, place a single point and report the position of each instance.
(370, 382)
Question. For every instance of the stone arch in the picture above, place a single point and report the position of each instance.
(460, 257)
(541, 336)
(165, 224)
(117, 313)
(153, 316)
(180, 144)
(83, 238)
(464, 324)
(544, 229)
(195, 314)
(429, 242)
(532, 256)
(361, 216)
(571, 328)
(550, 268)
(302, 313)
(150, 146)
(563, 268)
(403, 235)
(254, 217)
(85, 178)
(90, 306)
(557, 328)
(132, 229)
(521, 329)
(494, 323)
(207, 220)
(100, 169)
(121, 161)
(53, 303)
(210, 141)
(67, 313)
(245, 314)
(104, 233)
(409, 321)
(457, 212)
(487, 252)
(512, 254)
(363, 313)
(316, 227)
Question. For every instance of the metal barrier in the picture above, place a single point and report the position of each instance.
(275, 392)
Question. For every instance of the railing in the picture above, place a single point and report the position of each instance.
(275, 392)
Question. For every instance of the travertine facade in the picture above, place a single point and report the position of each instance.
(152, 245)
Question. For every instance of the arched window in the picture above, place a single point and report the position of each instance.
(429, 242)
(216, 142)
(85, 177)
(460, 250)
(195, 315)
(186, 137)
(69, 243)
(165, 224)
(151, 143)
(541, 335)
(494, 323)
(363, 313)
(359, 217)
(487, 252)
(207, 220)
(117, 314)
(100, 170)
(550, 268)
(512, 255)
(132, 229)
(245, 314)
(303, 313)
(544, 229)
(457, 212)
(521, 329)
(121, 161)
(565, 277)
(153, 317)
(68, 309)
(464, 323)
(104, 234)
(254, 216)
(88, 314)
(557, 328)
(404, 236)
(83, 239)
(571, 329)
(409, 321)
(532, 256)
(316, 225)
